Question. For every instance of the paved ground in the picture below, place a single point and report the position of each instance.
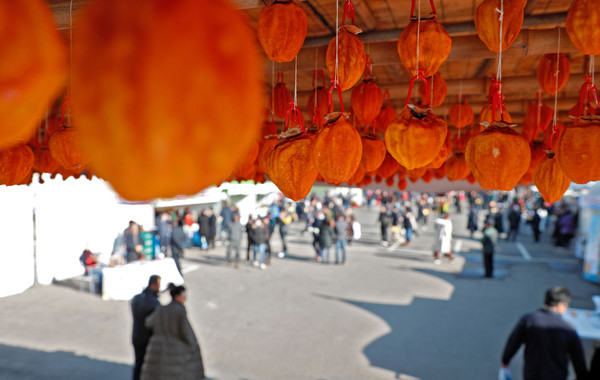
(389, 313)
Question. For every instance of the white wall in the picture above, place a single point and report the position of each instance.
(16, 236)
(71, 215)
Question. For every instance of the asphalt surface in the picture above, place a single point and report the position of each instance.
(388, 313)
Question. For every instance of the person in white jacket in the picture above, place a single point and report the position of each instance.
(443, 238)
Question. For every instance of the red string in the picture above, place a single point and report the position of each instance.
(420, 75)
(293, 116)
(66, 103)
(280, 79)
(495, 99)
(587, 89)
(461, 100)
(348, 10)
(368, 68)
(412, 9)
(335, 85)
(386, 97)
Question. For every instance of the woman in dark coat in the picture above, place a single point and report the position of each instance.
(472, 220)
(325, 238)
(204, 228)
(173, 351)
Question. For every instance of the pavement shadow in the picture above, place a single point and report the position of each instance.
(26, 364)
(428, 337)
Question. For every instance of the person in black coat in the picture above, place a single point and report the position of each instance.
(178, 240)
(142, 305)
(203, 224)
(472, 224)
(250, 235)
(514, 219)
(550, 342)
(326, 236)
(212, 229)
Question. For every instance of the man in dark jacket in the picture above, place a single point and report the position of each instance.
(549, 341)
(134, 243)
(258, 234)
(203, 224)
(235, 231)
(142, 305)
(514, 219)
(212, 228)
(489, 241)
(178, 241)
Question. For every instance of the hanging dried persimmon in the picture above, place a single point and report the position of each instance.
(457, 168)
(280, 98)
(433, 48)
(290, 163)
(317, 109)
(577, 148)
(550, 179)
(43, 161)
(498, 157)
(15, 164)
(388, 167)
(387, 113)
(337, 150)
(487, 22)
(367, 97)
(281, 30)
(33, 70)
(461, 114)
(415, 137)
(160, 88)
(582, 26)
(537, 119)
(437, 90)
(373, 153)
(551, 67)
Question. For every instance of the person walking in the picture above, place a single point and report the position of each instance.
(535, 225)
(173, 351)
(259, 237)
(212, 228)
(514, 220)
(226, 219)
(178, 241)
(409, 224)
(489, 241)
(249, 235)
(285, 219)
(204, 228)
(267, 223)
(142, 305)
(472, 224)
(325, 239)
(234, 239)
(549, 341)
(314, 228)
(341, 231)
(443, 238)
(385, 220)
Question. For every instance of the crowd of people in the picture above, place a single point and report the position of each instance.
(158, 330)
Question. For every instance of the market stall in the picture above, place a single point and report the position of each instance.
(121, 283)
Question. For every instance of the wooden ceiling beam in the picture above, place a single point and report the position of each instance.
(363, 10)
(61, 8)
(529, 42)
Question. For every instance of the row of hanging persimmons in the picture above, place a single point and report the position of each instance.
(163, 105)
(416, 142)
